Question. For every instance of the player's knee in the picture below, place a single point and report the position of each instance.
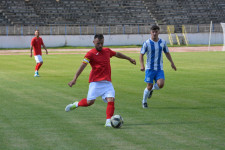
(110, 99)
(90, 102)
(161, 85)
(149, 87)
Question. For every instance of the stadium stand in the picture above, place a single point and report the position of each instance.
(3, 20)
(79, 12)
(178, 12)
(18, 13)
(110, 12)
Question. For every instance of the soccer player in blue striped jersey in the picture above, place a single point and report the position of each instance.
(154, 48)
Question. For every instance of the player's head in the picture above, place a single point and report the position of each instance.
(36, 33)
(155, 32)
(98, 41)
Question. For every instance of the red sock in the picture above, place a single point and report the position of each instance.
(39, 65)
(83, 103)
(36, 67)
(110, 110)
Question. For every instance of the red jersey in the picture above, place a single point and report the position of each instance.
(36, 43)
(100, 63)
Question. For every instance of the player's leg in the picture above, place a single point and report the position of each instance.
(82, 103)
(36, 67)
(109, 110)
(149, 77)
(160, 79)
(40, 60)
(93, 93)
(158, 85)
(147, 91)
(39, 63)
(108, 97)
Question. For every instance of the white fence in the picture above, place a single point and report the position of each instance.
(87, 40)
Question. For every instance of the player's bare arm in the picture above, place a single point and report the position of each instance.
(171, 61)
(79, 71)
(31, 49)
(122, 56)
(141, 58)
(45, 49)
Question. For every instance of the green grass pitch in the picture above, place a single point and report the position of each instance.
(188, 113)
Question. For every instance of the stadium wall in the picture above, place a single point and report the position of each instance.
(86, 40)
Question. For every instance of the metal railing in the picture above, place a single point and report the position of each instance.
(106, 30)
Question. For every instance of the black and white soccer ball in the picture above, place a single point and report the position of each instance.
(116, 121)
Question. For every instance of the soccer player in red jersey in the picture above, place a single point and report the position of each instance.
(100, 77)
(36, 44)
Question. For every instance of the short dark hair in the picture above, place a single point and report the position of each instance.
(99, 36)
(155, 27)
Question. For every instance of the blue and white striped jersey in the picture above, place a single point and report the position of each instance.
(154, 53)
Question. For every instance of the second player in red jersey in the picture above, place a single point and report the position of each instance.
(36, 44)
(100, 77)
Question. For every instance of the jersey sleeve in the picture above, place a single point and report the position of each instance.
(112, 53)
(165, 48)
(144, 48)
(87, 58)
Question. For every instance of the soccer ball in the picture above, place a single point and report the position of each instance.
(116, 121)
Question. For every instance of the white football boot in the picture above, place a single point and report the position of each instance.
(36, 74)
(71, 106)
(108, 123)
